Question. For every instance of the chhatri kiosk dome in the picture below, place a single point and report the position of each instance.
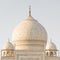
(29, 34)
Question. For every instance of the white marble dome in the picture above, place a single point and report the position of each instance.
(51, 46)
(8, 45)
(27, 31)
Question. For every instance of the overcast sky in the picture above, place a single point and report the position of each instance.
(47, 12)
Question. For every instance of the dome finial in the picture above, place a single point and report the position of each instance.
(8, 40)
(29, 10)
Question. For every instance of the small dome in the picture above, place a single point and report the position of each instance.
(51, 46)
(8, 45)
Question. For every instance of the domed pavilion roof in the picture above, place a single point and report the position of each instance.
(51, 46)
(8, 45)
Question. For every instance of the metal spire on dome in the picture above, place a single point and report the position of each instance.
(8, 40)
(30, 10)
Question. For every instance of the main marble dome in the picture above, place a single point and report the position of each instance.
(28, 32)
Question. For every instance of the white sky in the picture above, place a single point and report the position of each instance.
(47, 12)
